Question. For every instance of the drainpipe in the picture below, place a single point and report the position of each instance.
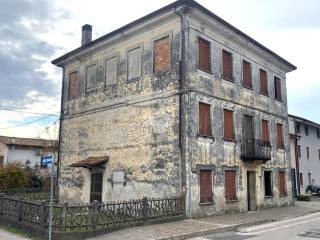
(182, 103)
(297, 138)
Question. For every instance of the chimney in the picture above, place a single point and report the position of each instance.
(86, 34)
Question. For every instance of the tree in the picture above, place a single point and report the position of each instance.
(12, 176)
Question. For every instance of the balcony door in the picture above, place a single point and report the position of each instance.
(248, 134)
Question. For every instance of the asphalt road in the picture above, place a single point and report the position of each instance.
(305, 227)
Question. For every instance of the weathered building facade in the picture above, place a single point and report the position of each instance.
(177, 102)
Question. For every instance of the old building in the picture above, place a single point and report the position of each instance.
(179, 101)
(305, 152)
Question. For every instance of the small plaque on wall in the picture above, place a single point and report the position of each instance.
(119, 176)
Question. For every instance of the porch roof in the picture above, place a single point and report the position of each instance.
(91, 162)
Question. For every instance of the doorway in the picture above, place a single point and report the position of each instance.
(96, 186)
(248, 134)
(251, 191)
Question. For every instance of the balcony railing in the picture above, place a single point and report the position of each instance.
(255, 149)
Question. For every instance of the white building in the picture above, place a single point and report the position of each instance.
(305, 151)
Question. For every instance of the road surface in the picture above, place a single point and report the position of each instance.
(305, 227)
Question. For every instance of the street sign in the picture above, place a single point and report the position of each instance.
(47, 160)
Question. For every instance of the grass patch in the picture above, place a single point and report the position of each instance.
(304, 197)
(19, 232)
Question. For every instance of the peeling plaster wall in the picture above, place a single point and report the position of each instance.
(134, 123)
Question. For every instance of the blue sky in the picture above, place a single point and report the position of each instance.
(35, 32)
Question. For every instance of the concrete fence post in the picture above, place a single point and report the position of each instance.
(43, 216)
(94, 216)
(64, 216)
(19, 209)
(1, 203)
(144, 207)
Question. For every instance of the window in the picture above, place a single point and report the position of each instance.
(204, 52)
(319, 153)
(204, 119)
(318, 133)
(112, 71)
(308, 152)
(299, 151)
(246, 74)
(263, 82)
(206, 180)
(96, 186)
(91, 78)
(230, 185)
(280, 143)
(301, 178)
(268, 184)
(161, 55)
(282, 183)
(306, 130)
(277, 89)
(228, 125)
(265, 131)
(227, 71)
(1, 160)
(134, 64)
(73, 85)
(298, 128)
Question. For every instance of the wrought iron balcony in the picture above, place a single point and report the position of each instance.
(255, 149)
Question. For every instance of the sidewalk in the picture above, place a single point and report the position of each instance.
(199, 227)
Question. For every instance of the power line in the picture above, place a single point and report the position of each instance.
(28, 123)
(35, 113)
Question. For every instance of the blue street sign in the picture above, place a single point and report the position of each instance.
(47, 160)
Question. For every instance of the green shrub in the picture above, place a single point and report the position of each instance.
(304, 197)
(12, 176)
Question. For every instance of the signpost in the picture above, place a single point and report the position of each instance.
(48, 160)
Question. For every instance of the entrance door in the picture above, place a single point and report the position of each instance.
(96, 186)
(251, 191)
(248, 134)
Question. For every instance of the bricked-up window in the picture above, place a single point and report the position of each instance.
(306, 129)
(265, 130)
(227, 71)
(230, 185)
(91, 74)
(298, 128)
(206, 183)
(112, 71)
(246, 74)
(299, 151)
(204, 52)
(301, 178)
(282, 183)
(263, 82)
(205, 119)
(73, 85)
(308, 152)
(277, 88)
(318, 133)
(280, 142)
(268, 183)
(161, 55)
(1, 160)
(134, 64)
(228, 124)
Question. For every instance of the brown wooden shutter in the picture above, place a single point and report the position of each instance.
(263, 82)
(204, 60)
(161, 56)
(319, 153)
(265, 131)
(282, 183)
(227, 65)
(204, 119)
(299, 151)
(206, 181)
(277, 88)
(73, 85)
(228, 124)
(280, 142)
(301, 179)
(230, 185)
(308, 152)
(247, 81)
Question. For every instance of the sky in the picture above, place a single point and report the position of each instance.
(34, 32)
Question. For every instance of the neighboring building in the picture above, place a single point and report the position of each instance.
(305, 151)
(27, 151)
(176, 102)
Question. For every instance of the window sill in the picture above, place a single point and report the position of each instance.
(206, 203)
(248, 88)
(264, 94)
(283, 195)
(229, 80)
(133, 80)
(205, 70)
(268, 197)
(205, 136)
(229, 140)
(279, 100)
(280, 149)
(231, 201)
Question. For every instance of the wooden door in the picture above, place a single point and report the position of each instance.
(251, 191)
(96, 186)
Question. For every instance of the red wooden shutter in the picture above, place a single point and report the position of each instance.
(161, 55)
(247, 81)
(204, 60)
(228, 124)
(263, 82)
(204, 119)
(282, 183)
(206, 181)
(280, 142)
(277, 90)
(227, 64)
(265, 131)
(73, 85)
(230, 185)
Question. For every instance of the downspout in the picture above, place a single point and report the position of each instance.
(182, 103)
(297, 138)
